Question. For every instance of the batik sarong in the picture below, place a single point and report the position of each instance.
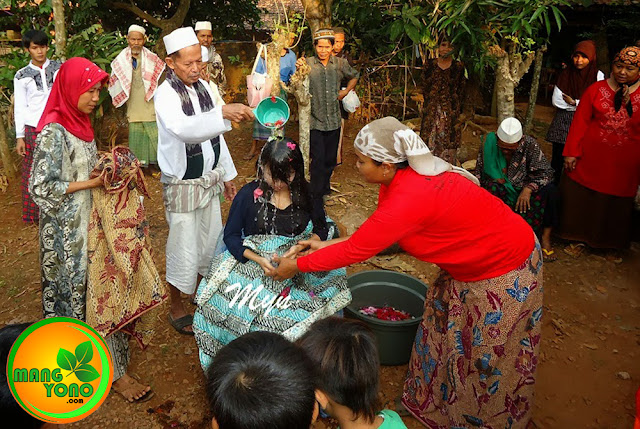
(476, 351)
(123, 281)
(236, 298)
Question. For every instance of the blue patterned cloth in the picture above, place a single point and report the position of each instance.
(236, 298)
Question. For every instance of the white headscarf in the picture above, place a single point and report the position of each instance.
(389, 140)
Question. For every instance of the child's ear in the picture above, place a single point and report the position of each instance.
(322, 398)
(214, 423)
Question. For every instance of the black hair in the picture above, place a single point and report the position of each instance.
(345, 355)
(261, 380)
(282, 156)
(330, 39)
(36, 37)
(398, 165)
(9, 408)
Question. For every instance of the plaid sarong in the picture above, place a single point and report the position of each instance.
(143, 142)
(30, 210)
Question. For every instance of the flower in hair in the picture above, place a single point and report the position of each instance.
(257, 193)
(291, 146)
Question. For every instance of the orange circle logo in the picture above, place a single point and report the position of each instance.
(60, 370)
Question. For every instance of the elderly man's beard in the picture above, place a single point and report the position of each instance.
(135, 50)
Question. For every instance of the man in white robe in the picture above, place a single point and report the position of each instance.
(196, 166)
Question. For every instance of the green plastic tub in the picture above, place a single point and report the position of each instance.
(389, 288)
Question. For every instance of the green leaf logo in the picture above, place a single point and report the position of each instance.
(86, 373)
(79, 363)
(84, 352)
(66, 360)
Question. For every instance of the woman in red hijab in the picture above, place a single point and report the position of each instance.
(60, 184)
(572, 82)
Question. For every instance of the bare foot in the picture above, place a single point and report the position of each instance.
(131, 389)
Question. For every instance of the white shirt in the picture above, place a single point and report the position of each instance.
(175, 129)
(558, 101)
(29, 99)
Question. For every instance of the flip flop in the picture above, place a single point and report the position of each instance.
(181, 323)
(549, 255)
(575, 249)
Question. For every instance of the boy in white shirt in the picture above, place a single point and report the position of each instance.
(32, 85)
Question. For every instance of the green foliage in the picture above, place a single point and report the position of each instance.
(234, 59)
(78, 363)
(93, 43)
(9, 64)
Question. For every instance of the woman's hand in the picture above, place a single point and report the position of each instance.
(266, 266)
(342, 93)
(524, 200)
(569, 100)
(300, 62)
(21, 147)
(287, 268)
(570, 163)
(293, 252)
(311, 245)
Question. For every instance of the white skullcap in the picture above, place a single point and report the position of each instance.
(205, 54)
(510, 131)
(203, 25)
(180, 38)
(137, 28)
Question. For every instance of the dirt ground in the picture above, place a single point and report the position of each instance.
(591, 324)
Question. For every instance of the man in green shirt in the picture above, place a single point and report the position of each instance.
(324, 85)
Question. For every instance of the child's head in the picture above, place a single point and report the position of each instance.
(281, 165)
(261, 380)
(9, 408)
(36, 43)
(345, 355)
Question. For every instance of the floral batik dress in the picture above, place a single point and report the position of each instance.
(61, 158)
(474, 359)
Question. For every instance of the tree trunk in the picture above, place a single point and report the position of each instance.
(5, 152)
(511, 66)
(166, 25)
(299, 87)
(318, 13)
(505, 91)
(60, 28)
(535, 84)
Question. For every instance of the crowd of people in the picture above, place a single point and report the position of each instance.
(270, 285)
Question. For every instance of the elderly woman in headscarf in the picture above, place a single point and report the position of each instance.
(61, 184)
(475, 354)
(573, 81)
(602, 161)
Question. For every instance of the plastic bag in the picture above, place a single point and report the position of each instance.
(258, 84)
(351, 101)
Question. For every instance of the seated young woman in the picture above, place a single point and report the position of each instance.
(268, 216)
(513, 168)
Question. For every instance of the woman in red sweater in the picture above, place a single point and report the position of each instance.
(602, 160)
(475, 353)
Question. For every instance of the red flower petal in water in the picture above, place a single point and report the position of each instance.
(273, 99)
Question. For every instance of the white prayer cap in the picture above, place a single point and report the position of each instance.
(205, 54)
(137, 28)
(203, 25)
(510, 131)
(180, 38)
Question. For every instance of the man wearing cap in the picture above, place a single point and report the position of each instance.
(513, 168)
(134, 79)
(196, 167)
(324, 85)
(214, 68)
